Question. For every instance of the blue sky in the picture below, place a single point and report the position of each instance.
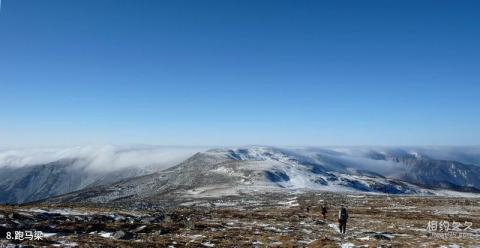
(239, 72)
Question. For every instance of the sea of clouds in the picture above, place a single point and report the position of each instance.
(101, 157)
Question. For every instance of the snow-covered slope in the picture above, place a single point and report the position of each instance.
(34, 174)
(419, 168)
(237, 171)
(361, 166)
(233, 171)
(291, 169)
(37, 182)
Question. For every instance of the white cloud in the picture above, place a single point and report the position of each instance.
(107, 157)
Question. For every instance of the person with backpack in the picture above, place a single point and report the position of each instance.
(342, 220)
(324, 212)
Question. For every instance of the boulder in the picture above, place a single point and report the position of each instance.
(123, 235)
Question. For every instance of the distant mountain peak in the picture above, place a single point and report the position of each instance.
(244, 170)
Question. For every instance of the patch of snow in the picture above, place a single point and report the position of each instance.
(65, 244)
(450, 246)
(194, 237)
(48, 235)
(452, 193)
(347, 245)
(208, 244)
(65, 211)
(276, 243)
(335, 227)
(106, 234)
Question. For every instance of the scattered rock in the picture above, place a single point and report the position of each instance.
(380, 236)
(123, 235)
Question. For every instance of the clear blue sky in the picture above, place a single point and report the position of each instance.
(239, 72)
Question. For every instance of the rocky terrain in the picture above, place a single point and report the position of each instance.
(266, 197)
(264, 220)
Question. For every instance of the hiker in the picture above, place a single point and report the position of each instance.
(324, 212)
(342, 220)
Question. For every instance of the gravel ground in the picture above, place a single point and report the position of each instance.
(267, 220)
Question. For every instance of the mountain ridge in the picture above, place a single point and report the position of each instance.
(239, 170)
(230, 172)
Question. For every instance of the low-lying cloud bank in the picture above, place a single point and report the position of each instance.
(359, 157)
(111, 157)
(107, 157)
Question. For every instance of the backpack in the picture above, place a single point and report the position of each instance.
(343, 214)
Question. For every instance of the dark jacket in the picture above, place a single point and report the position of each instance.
(343, 214)
(324, 210)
